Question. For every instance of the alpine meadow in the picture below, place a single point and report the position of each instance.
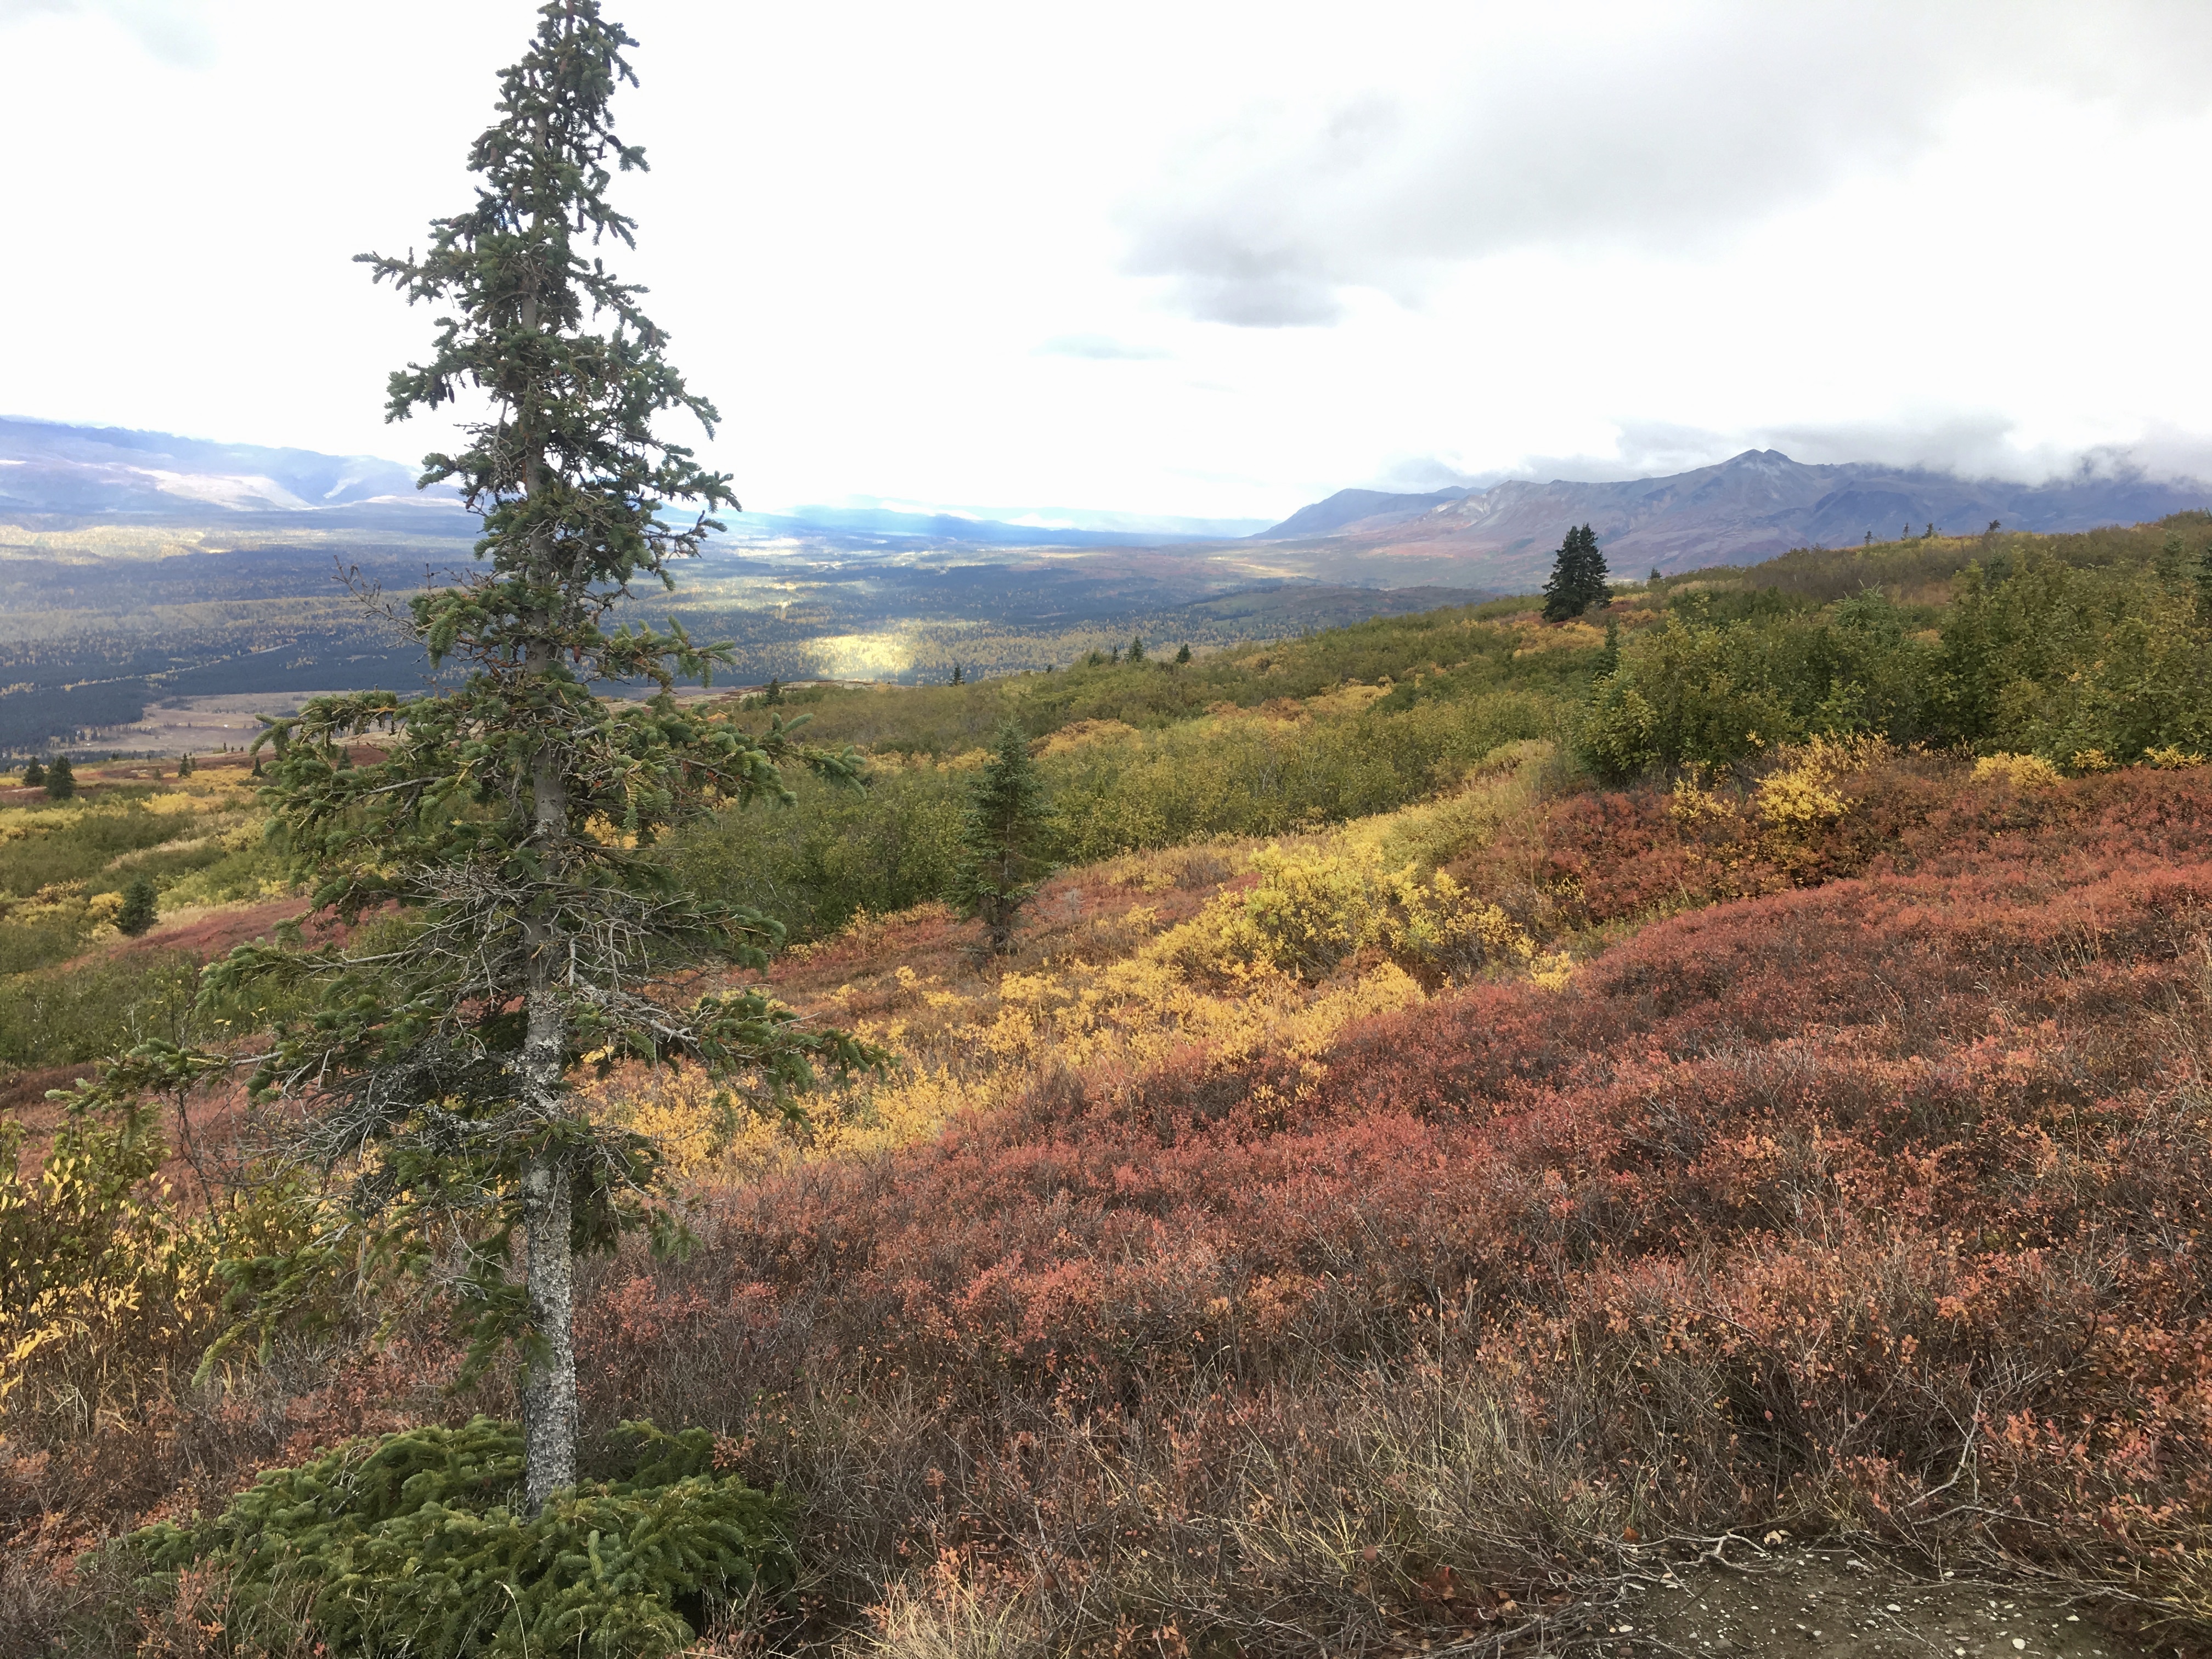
(1323, 1114)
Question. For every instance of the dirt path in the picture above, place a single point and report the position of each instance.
(1833, 1603)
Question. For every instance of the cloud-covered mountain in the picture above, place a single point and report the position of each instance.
(93, 472)
(1742, 510)
(101, 472)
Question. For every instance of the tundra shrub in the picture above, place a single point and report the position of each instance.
(414, 1545)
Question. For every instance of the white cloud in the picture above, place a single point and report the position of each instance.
(1667, 129)
(172, 31)
(996, 253)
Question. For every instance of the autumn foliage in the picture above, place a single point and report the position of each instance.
(1821, 1150)
(1875, 1198)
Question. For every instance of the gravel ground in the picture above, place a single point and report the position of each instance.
(1815, 1603)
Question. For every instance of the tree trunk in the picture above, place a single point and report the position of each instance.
(549, 1381)
(549, 1377)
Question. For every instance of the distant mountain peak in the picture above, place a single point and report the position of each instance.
(1750, 507)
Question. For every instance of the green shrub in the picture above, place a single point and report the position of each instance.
(104, 1007)
(26, 946)
(83, 845)
(2041, 658)
(1689, 691)
(838, 854)
(411, 1545)
(1244, 776)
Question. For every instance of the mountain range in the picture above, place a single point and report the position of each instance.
(79, 473)
(1500, 538)
(1736, 512)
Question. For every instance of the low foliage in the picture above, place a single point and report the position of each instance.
(2086, 656)
(1872, 1200)
(415, 1544)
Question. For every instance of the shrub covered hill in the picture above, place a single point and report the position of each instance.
(1485, 1119)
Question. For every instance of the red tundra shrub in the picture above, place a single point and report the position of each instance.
(1879, 1201)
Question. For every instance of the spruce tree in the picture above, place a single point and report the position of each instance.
(33, 774)
(1137, 649)
(514, 817)
(136, 915)
(1609, 660)
(61, 778)
(1001, 841)
(1579, 578)
(1182, 654)
(958, 679)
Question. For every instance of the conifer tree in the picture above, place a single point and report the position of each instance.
(1608, 660)
(1183, 653)
(1137, 649)
(958, 679)
(136, 915)
(1578, 579)
(61, 778)
(33, 774)
(1001, 841)
(514, 817)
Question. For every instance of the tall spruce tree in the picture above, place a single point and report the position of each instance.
(514, 817)
(1579, 578)
(1001, 841)
(61, 778)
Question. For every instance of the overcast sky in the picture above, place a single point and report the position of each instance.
(1179, 258)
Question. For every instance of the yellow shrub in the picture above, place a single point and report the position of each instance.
(1445, 925)
(2022, 771)
(1553, 970)
(2172, 758)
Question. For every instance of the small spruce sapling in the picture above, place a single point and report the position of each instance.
(61, 778)
(136, 915)
(1609, 660)
(958, 677)
(1002, 839)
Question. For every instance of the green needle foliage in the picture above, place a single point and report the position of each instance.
(61, 778)
(33, 774)
(412, 1545)
(514, 820)
(999, 866)
(136, 915)
(1578, 579)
